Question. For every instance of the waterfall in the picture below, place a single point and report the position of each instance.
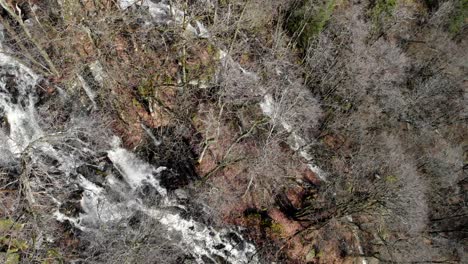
(126, 176)
(17, 105)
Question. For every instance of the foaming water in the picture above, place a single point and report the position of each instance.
(200, 239)
(123, 192)
(17, 104)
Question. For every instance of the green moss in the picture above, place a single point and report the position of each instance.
(135, 102)
(213, 51)
(145, 94)
(383, 7)
(11, 257)
(382, 10)
(314, 254)
(391, 179)
(383, 233)
(101, 173)
(266, 222)
(146, 90)
(71, 10)
(460, 16)
(53, 256)
(308, 19)
(223, 3)
(8, 229)
(13, 243)
(255, 216)
(202, 68)
(168, 80)
(311, 255)
(276, 228)
(7, 225)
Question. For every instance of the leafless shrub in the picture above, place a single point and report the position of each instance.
(137, 240)
(388, 97)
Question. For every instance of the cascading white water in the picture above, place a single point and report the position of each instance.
(199, 239)
(21, 130)
(17, 105)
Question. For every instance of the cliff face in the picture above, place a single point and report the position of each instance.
(330, 131)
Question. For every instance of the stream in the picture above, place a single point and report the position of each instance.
(118, 187)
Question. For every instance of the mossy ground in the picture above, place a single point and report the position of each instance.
(308, 19)
(459, 18)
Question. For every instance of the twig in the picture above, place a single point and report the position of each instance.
(237, 27)
(30, 37)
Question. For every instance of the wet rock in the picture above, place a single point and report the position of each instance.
(12, 87)
(136, 219)
(207, 260)
(174, 152)
(45, 92)
(186, 259)
(219, 246)
(181, 195)
(235, 239)
(92, 173)
(227, 253)
(220, 259)
(150, 196)
(91, 77)
(172, 180)
(199, 213)
(72, 206)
